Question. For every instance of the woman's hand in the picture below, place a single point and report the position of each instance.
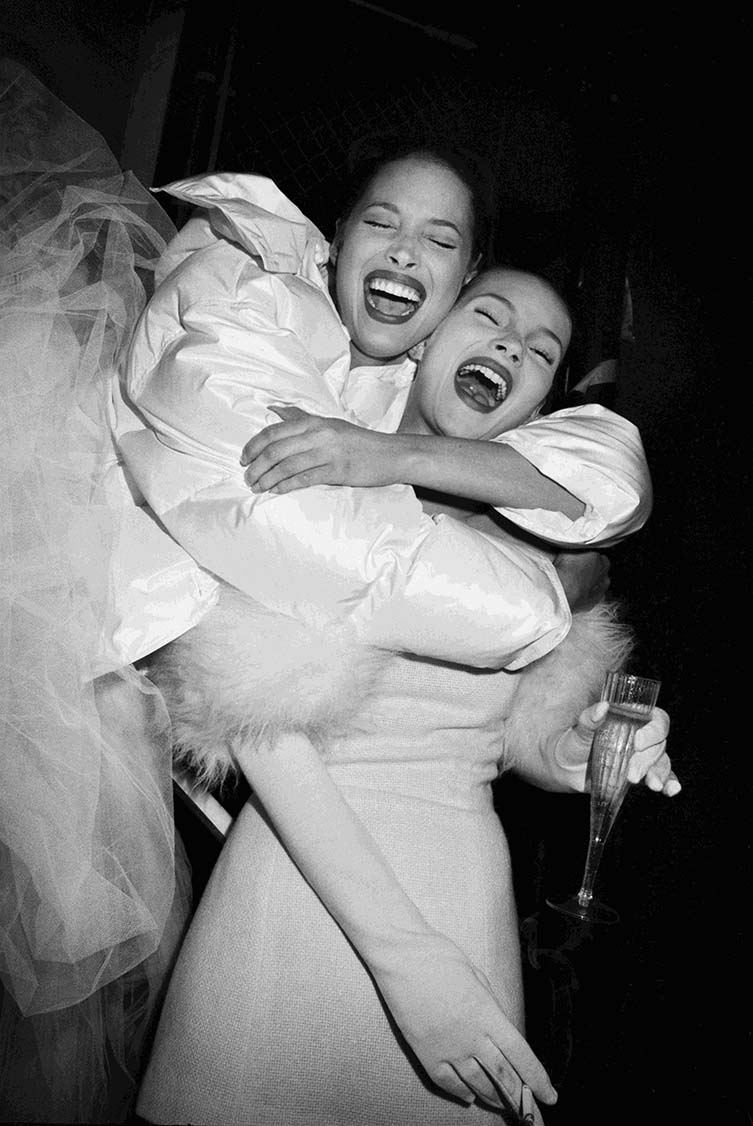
(649, 763)
(305, 449)
(447, 1012)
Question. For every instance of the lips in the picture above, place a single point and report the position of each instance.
(483, 384)
(391, 297)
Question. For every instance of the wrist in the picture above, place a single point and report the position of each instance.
(405, 459)
(571, 758)
(404, 950)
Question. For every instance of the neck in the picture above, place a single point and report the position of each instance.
(413, 421)
(361, 359)
(433, 502)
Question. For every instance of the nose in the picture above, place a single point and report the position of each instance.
(403, 252)
(510, 345)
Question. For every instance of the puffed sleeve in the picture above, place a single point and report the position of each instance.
(202, 372)
(597, 456)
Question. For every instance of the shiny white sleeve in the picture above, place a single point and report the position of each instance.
(597, 456)
(367, 557)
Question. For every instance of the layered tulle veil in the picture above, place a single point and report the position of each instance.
(91, 908)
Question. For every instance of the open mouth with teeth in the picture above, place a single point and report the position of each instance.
(482, 384)
(392, 298)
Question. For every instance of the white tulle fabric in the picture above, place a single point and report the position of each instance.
(89, 912)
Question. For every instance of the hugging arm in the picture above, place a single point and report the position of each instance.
(578, 477)
(307, 450)
(442, 1004)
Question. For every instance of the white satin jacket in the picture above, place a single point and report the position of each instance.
(242, 320)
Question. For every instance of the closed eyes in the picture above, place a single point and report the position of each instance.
(381, 226)
(548, 357)
(545, 355)
(488, 315)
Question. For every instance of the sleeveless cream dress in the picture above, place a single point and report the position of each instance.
(271, 1018)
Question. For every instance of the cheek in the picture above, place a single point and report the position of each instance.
(350, 255)
(448, 281)
(346, 282)
(454, 283)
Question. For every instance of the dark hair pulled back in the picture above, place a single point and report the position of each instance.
(369, 155)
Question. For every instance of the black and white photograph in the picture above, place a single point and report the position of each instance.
(373, 518)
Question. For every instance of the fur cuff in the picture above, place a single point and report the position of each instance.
(554, 690)
(246, 675)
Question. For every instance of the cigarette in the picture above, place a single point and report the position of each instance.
(527, 1106)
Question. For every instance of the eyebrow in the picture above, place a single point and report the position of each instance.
(396, 211)
(509, 305)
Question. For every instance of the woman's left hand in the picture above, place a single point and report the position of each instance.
(305, 450)
(650, 762)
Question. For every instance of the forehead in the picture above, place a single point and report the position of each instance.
(421, 182)
(531, 296)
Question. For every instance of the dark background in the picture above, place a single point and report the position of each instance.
(617, 137)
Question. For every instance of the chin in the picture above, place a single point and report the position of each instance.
(382, 350)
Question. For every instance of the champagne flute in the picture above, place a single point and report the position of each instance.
(631, 701)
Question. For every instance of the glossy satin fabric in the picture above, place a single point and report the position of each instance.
(243, 320)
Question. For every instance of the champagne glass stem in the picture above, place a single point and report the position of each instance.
(604, 812)
(631, 700)
(593, 860)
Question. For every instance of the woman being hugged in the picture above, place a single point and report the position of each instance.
(369, 868)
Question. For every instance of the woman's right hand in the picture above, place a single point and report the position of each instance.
(447, 1012)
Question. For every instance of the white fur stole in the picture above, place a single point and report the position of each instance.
(246, 675)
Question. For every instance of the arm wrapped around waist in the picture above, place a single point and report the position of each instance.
(245, 675)
(553, 691)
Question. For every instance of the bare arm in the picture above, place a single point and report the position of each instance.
(483, 471)
(442, 1004)
(306, 450)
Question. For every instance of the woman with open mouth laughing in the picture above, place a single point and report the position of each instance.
(415, 763)
(401, 256)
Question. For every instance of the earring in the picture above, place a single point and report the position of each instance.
(416, 352)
